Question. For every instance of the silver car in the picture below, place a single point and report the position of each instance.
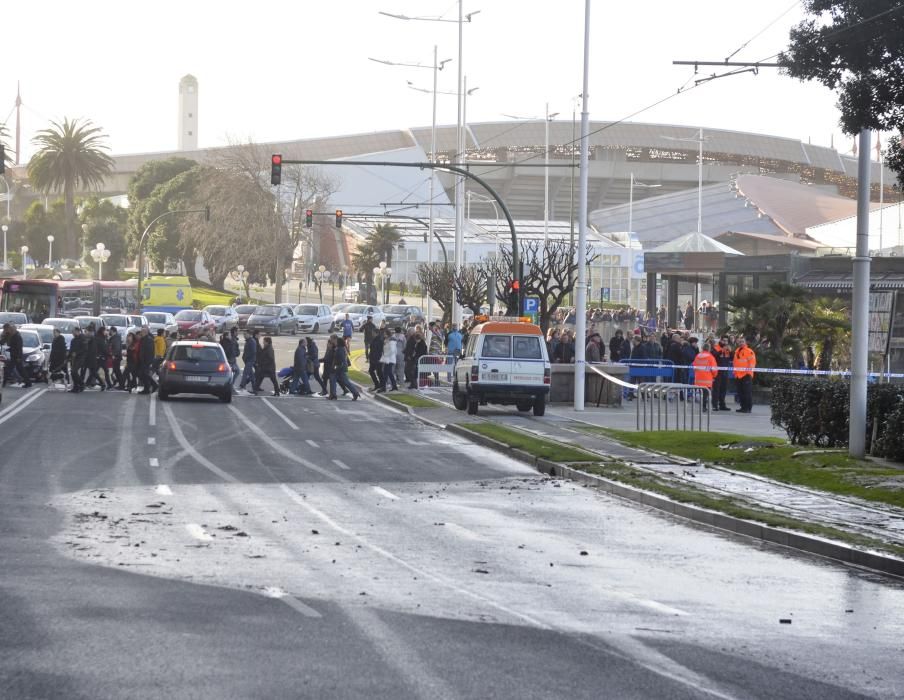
(313, 318)
(161, 319)
(65, 326)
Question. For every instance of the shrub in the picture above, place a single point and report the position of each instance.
(815, 411)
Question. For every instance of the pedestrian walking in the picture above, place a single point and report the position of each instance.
(130, 376)
(266, 366)
(340, 372)
(314, 364)
(328, 373)
(375, 359)
(418, 350)
(230, 349)
(114, 347)
(103, 356)
(77, 360)
(249, 360)
(300, 370)
(389, 358)
(146, 361)
(58, 353)
(89, 366)
(13, 341)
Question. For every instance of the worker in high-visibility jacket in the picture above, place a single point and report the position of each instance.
(705, 371)
(744, 364)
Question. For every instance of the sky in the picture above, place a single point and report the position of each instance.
(283, 70)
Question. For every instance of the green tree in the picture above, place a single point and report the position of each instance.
(104, 222)
(40, 223)
(855, 47)
(384, 240)
(71, 156)
(4, 135)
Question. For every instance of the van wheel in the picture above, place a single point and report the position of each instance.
(539, 405)
(472, 405)
(459, 399)
(524, 405)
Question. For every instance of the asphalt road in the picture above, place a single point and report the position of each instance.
(299, 547)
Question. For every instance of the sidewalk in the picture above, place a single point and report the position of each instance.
(865, 521)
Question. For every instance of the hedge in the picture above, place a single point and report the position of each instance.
(815, 412)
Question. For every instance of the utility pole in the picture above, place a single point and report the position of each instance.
(581, 311)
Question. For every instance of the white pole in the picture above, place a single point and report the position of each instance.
(881, 201)
(546, 184)
(581, 320)
(631, 205)
(860, 306)
(432, 175)
(700, 187)
(459, 180)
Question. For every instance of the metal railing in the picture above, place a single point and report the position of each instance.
(688, 403)
(429, 367)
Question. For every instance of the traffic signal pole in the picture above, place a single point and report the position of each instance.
(458, 170)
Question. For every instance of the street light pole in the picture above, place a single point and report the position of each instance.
(50, 250)
(459, 181)
(24, 251)
(5, 229)
(581, 311)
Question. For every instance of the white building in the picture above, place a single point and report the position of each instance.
(188, 113)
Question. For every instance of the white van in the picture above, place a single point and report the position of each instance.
(505, 362)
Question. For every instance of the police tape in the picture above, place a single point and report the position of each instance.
(765, 370)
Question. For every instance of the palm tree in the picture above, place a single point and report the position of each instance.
(70, 156)
(383, 240)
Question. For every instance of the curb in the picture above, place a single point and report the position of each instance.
(786, 538)
(402, 408)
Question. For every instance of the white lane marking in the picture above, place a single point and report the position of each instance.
(280, 414)
(17, 407)
(462, 531)
(152, 441)
(163, 490)
(415, 442)
(285, 452)
(342, 465)
(313, 444)
(152, 417)
(294, 603)
(197, 456)
(198, 532)
(154, 462)
(27, 396)
(660, 607)
(386, 494)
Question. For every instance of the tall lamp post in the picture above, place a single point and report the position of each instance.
(100, 254)
(24, 251)
(240, 275)
(635, 183)
(5, 229)
(383, 272)
(321, 274)
(50, 250)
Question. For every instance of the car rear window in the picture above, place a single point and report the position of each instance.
(188, 316)
(527, 348)
(245, 309)
(497, 346)
(307, 310)
(204, 354)
(267, 311)
(155, 318)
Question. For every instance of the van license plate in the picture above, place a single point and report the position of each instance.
(494, 377)
(192, 378)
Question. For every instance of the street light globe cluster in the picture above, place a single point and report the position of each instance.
(100, 255)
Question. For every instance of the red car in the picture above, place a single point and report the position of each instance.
(196, 325)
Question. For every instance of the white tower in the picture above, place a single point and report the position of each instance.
(188, 113)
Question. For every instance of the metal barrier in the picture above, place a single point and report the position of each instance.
(430, 366)
(690, 404)
(652, 368)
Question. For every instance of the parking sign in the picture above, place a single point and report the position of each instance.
(532, 308)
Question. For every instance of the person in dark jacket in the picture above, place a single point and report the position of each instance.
(300, 370)
(616, 347)
(77, 360)
(230, 349)
(146, 361)
(103, 372)
(340, 372)
(89, 366)
(115, 349)
(58, 353)
(328, 357)
(130, 376)
(418, 351)
(375, 358)
(314, 364)
(249, 359)
(16, 358)
(266, 365)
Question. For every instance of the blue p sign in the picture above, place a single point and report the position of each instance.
(531, 305)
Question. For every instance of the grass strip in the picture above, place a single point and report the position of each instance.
(832, 472)
(691, 495)
(538, 447)
(412, 400)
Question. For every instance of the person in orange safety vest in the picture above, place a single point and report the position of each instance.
(705, 370)
(744, 363)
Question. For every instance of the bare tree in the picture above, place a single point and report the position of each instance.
(549, 274)
(437, 281)
(470, 286)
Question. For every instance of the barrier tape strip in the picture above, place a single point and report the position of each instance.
(765, 370)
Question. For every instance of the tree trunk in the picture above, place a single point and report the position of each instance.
(278, 278)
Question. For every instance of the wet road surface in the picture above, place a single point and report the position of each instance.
(299, 547)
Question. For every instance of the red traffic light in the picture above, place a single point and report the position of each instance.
(276, 159)
(516, 285)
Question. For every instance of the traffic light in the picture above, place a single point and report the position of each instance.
(308, 218)
(338, 218)
(514, 298)
(275, 169)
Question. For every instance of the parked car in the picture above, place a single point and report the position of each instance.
(45, 333)
(192, 367)
(313, 318)
(161, 319)
(137, 322)
(65, 325)
(195, 324)
(357, 314)
(13, 317)
(244, 311)
(272, 319)
(224, 317)
(402, 315)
